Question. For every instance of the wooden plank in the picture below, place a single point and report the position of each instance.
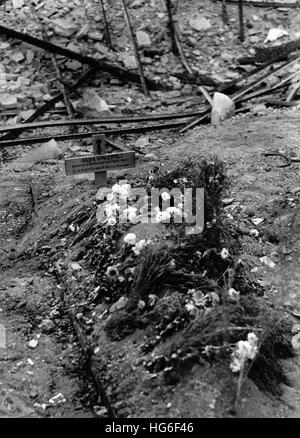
(99, 163)
(99, 149)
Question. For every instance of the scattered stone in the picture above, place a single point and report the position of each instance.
(267, 261)
(295, 329)
(201, 24)
(18, 4)
(48, 151)
(227, 201)
(33, 343)
(17, 57)
(296, 341)
(58, 399)
(92, 102)
(47, 326)
(257, 220)
(76, 267)
(137, 3)
(223, 108)
(142, 142)
(129, 61)
(64, 27)
(118, 305)
(143, 39)
(8, 102)
(73, 65)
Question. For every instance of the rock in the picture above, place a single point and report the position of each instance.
(118, 305)
(47, 326)
(129, 61)
(73, 65)
(143, 39)
(83, 31)
(257, 220)
(296, 341)
(267, 261)
(91, 102)
(101, 48)
(227, 201)
(17, 57)
(48, 151)
(151, 157)
(137, 3)
(64, 27)
(33, 343)
(201, 24)
(18, 4)
(142, 142)
(76, 267)
(223, 108)
(8, 102)
(58, 399)
(275, 33)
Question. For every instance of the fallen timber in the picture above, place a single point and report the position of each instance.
(265, 4)
(64, 137)
(46, 106)
(102, 121)
(117, 71)
(270, 53)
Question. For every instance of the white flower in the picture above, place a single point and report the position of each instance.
(165, 196)
(111, 197)
(190, 307)
(233, 294)
(254, 232)
(244, 350)
(173, 210)
(163, 216)
(224, 253)
(111, 221)
(130, 238)
(111, 209)
(130, 213)
(140, 245)
(116, 188)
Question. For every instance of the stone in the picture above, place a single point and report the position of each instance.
(222, 109)
(142, 142)
(118, 305)
(33, 343)
(64, 27)
(18, 4)
(47, 326)
(17, 57)
(129, 61)
(8, 102)
(48, 151)
(201, 24)
(73, 65)
(143, 39)
(137, 3)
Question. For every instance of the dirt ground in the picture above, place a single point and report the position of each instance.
(34, 204)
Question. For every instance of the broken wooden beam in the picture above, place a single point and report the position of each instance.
(103, 121)
(64, 137)
(114, 70)
(47, 106)
(264, 54)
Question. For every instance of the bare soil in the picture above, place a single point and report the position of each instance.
(34, 205)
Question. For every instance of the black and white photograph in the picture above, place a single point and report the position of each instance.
(149, 212)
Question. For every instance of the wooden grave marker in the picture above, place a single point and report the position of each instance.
(100, 162)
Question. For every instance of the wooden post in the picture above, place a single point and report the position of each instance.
(99, 149)
(241, 19)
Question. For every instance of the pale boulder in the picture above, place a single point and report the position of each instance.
(222, 108)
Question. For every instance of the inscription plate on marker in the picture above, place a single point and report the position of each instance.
(98, 163)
